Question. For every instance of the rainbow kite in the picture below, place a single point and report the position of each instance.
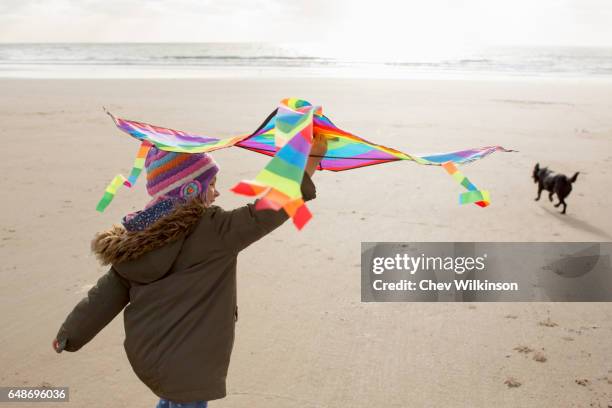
(287, 136)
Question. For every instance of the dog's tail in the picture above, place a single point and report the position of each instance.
(574, 177)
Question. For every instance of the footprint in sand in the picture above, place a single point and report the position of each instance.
(582, 381)
(568, 338)
(523, 349)
(538, 355)
(548, 323)
(512, 382)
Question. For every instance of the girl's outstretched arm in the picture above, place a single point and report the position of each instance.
(239, 228)
(103, 302)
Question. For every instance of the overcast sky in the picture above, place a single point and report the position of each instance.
(379, 23)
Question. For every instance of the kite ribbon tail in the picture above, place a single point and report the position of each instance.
(299, 213)
(110, 192)
(139, 163)
(119, 179)
(481, 198)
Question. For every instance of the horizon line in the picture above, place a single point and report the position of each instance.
(271, 43)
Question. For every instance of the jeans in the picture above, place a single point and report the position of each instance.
(163, 403)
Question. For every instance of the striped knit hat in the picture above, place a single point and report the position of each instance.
(178, 175)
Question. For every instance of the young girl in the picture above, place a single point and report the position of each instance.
(174, 266)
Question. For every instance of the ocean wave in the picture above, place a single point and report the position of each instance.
(547, 61)
(238, 57)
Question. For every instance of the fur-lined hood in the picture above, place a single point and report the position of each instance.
(120, 247)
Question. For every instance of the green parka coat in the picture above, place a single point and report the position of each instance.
(178, 280)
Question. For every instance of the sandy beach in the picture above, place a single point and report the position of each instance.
(304, 338)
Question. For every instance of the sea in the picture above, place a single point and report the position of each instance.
(267, 60)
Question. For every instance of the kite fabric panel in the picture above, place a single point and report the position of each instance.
(287, 135)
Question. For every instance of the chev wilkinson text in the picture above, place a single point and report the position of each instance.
(429, 285)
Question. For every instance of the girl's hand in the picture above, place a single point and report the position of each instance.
(319, 145)
(56, 346)
(318, 150)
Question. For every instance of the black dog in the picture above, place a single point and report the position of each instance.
(558, 184)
